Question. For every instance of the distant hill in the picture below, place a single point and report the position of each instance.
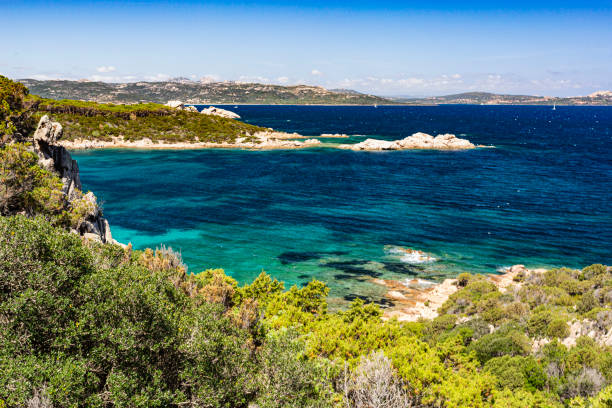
(194, 92)
(198, 93)
(485, 98)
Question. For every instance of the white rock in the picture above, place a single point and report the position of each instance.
(371, 144)
(211, 110)
(175, 104)
(416, 141)
(47, 131)
(92, 237)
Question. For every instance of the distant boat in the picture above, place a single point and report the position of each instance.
(554, 106)
(375, 105)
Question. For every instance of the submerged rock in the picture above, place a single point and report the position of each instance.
(409, 255)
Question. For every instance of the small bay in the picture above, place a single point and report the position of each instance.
(541, 197)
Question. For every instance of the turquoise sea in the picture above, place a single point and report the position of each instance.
(541, 197)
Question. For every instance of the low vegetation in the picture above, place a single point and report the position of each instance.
(98, 121)
(88, 324)
(85, 324)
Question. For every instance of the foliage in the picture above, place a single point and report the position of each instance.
(14, 114)
(507, 340)
(98, 121)
(517, 372)
(25, 186)
(375, 383)
(87, 324)
(288, 378)
(121, 334)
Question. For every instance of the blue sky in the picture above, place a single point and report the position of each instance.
(383, 47)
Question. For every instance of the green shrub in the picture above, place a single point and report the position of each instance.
(557, 328)
(517, 372)
(94, 333)
(522, 399)
(287, 378)
(593, 271)
(507, 340)
(463, 300)
(538, 322)
(14, 114)
(25, 186)
(587, 303)
(603, 399)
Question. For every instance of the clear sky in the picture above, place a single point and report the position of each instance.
(384, 47)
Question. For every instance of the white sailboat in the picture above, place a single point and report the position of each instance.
(554, 106)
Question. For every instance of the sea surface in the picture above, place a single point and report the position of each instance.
(542, 197)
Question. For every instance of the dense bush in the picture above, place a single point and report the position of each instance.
(91, 325)
(509, 340)
(517, 372)
(14, 114)
(84, 324)
(27, 188)
(124, 335)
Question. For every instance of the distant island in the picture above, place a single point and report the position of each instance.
(486, 98)
(193, 92)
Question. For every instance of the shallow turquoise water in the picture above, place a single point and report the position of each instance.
(541, 197)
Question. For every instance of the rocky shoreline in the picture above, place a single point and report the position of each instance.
(271, 139)
(259, 141)
(417, 299)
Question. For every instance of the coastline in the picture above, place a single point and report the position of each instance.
(273, 140)
(417, 299)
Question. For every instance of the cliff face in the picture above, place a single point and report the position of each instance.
(57, 159)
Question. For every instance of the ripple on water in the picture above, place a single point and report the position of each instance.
(541, 198)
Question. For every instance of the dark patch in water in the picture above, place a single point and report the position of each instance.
(303, 276)
(343, 276)
(294, 257)
(400, 267)
(355, 267)
(382, 302)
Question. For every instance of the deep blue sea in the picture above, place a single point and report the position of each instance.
(541, 197)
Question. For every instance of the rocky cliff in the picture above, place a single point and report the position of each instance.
(56, 159)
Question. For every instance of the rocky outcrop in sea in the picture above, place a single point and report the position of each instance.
(416, 141)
